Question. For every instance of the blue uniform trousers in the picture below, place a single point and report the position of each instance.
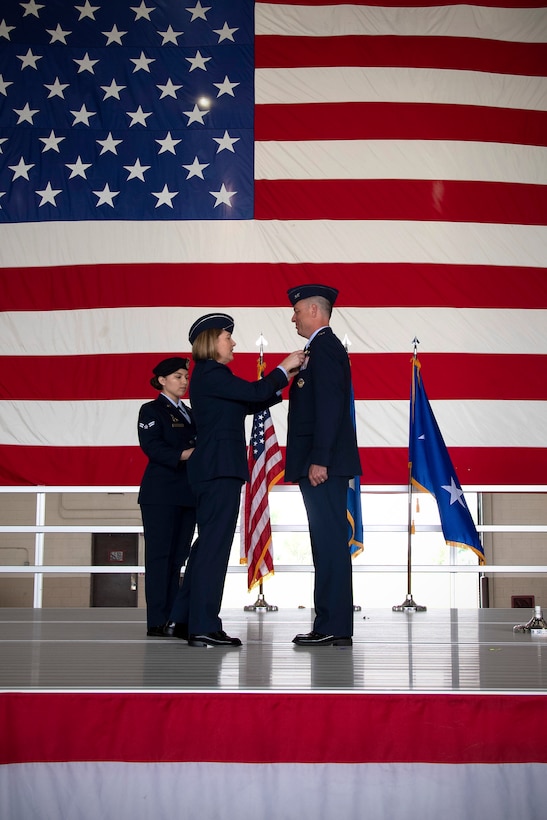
(326, 507)
(199, 600)
(168, 533)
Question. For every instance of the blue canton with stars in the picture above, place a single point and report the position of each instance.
(120, 110)
(258, 441)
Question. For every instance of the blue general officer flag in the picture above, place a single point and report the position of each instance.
(431, 470)
(354, 510)
(119, 111)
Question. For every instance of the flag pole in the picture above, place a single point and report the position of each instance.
(409, 605)
(260, 605)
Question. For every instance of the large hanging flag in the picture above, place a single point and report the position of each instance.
(163, 160)
(265, 469)
(431, 470)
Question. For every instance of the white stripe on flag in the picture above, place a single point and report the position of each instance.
(464, 423)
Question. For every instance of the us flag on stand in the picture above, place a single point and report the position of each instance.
(159, 161)
(265, 468)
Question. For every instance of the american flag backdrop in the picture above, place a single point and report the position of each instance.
(160, 160)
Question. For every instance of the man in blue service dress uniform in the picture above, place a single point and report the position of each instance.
(322, 456)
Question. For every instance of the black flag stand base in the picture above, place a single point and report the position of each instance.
(261, 605)
(409, 606)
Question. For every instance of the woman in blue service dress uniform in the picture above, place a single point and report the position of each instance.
(168, 507)
(218, 468)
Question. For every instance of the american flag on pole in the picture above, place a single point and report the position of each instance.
(265, 469)
(162, 160)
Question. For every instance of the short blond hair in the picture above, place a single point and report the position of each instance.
(204, 346)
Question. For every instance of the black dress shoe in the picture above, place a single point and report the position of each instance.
(318, 639)
(155, 632)
(176, 630)
(219, 638)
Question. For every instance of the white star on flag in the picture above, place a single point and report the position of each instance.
(58, 35)
(223, 196)
(48, 195)
(169, 90)
(4, 86)
(142, 63)
(56, 89)
(137, 170)
(86, 64)
(170, 36)
(106, 196)
(225, 33)
(31, 8)
(82, 115)
(87, 10)
(26, 114)
(139, 116)
(5, 30)
(226, 87)
(143, 11)
(78, 168)
(198, 11)
(29, 60)
(196, 115)
(165, 196)
(109, 144)
(196, 168)
(226, 142)
(21, 169)
(198, 61)
(51, 143)
(168, 144)
(114, 36)
(112, 90)
(456, 492)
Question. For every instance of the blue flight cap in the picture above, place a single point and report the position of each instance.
(168, 366)
(305, 291)
(211, 320)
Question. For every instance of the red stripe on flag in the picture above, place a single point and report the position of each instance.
(401, 199)
(400, 121)
(361, 283)
(100, 466)
(461, 53)
(375, 376)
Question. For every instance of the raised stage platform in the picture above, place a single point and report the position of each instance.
(435, 714)
(435, 651)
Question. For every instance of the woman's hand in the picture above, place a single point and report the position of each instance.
(185, 455)
(293, 362)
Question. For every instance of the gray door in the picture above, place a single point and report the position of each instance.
(116, 589)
